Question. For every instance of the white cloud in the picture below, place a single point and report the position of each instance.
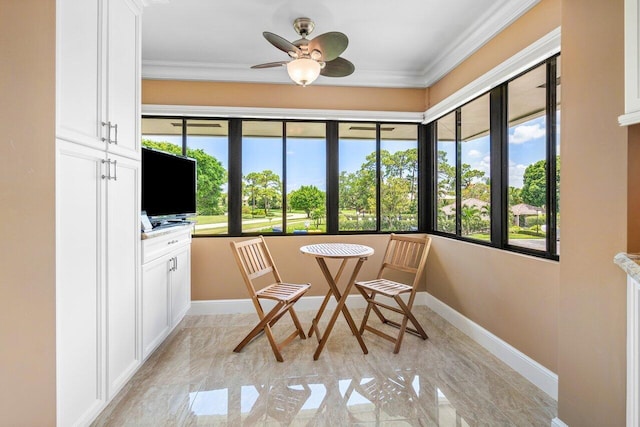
(516, 174)
(474, 153)
(526, 133)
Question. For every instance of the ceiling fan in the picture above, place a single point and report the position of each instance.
(310, 58)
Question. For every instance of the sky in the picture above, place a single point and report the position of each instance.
(306, 158)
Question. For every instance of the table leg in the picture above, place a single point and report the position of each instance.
(325, 301)
(340, 307)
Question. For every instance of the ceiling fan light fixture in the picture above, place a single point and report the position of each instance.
(303, 71)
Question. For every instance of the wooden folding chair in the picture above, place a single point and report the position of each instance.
(254, 260)
(407, 255)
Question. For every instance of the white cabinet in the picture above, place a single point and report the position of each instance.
(166, 283)
(123, 78)
(98, 324)
(98, 74)
(631, 63)
(79, 284)
(122, 271)
(97, 211)
(180, 285)
(633, 352)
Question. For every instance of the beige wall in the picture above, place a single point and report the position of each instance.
(512, 295)
(27, 251)
(591, 351)
(281, 96)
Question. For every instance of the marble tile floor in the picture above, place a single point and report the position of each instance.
(195, 379)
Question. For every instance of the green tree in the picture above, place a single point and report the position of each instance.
(263, 189)
(317, 215)
(354, 191)
(515, 196)
(471, 219)
(469, 176)
(211, 176)
(307, 198)
(394, 197)
(534, 184)
(478, 190)
(446, 177)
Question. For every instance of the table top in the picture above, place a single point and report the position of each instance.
(337, 250)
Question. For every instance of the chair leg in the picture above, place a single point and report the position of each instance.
(365, 318)
(296, 322)
(274, 344)
(411, 317)
(263, 325)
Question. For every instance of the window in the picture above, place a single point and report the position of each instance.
(306, 177)
(358, 165)
(446, 193)
(494, 180)
(463, 198)
(262, 168)
(475, 174)
(208, 143)
(527, 159)
(398, 177)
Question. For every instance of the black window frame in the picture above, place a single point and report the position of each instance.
(499, 166)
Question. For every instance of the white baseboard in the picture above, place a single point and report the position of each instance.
(557, 422)
(540, 376)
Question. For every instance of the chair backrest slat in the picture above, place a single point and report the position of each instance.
(254, 259)
(406, 254)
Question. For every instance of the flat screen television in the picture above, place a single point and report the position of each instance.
(168, 186)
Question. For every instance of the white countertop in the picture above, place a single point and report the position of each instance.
(630, 263)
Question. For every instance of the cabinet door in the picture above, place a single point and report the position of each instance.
(123, 259)
(79, 279)
(78, 76)
(180, 285)
(123, 76)
(155, 303)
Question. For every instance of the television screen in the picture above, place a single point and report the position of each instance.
(168, 184)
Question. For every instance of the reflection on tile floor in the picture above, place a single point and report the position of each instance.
(195, 379)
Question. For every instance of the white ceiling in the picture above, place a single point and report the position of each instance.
(402, 43)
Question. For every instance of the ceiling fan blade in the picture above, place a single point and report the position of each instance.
(330, 44)
(281, 43)
(339, 67)
(270, 64)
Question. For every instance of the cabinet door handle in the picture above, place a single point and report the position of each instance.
(115, 141)
(108, 176)
(108, 138)
(175, 263)
(109, 127)
(108, 169)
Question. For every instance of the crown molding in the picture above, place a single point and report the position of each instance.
(170, 70)
(496, 19)
(281, 113)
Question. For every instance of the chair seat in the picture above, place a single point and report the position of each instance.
(385, 287)
(283, 291)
